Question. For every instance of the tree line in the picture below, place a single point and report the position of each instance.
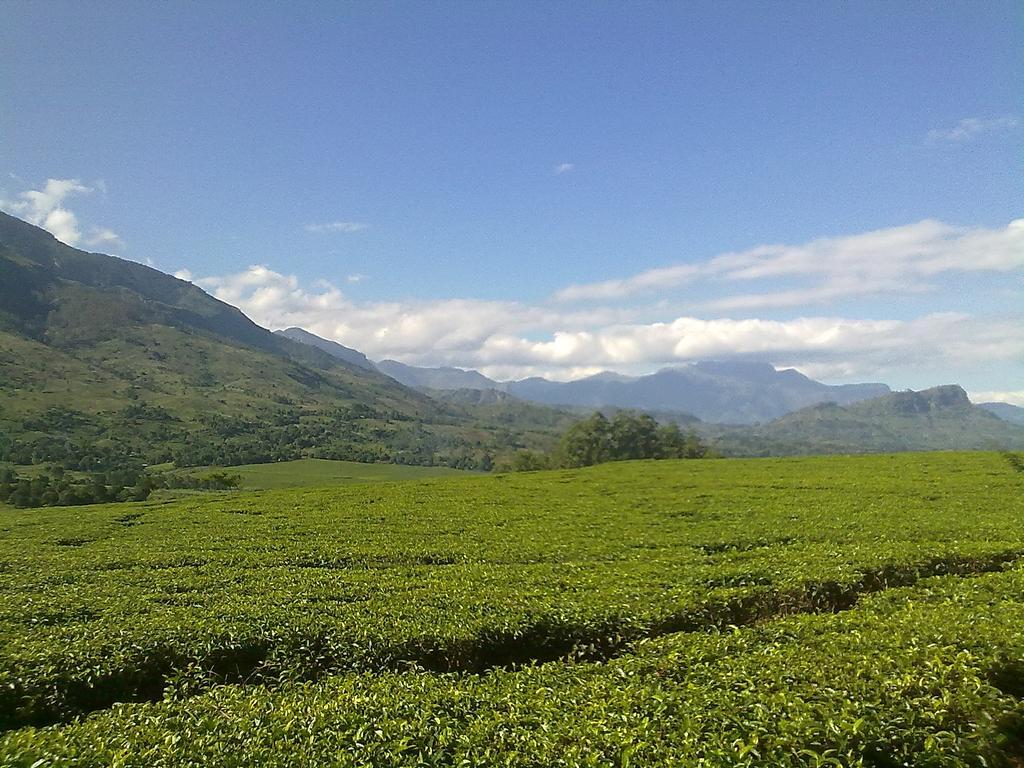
(142, 435)
(598, 439)
(55, 488)
(60, 489)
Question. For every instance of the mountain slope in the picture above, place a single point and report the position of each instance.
(471, 396)
(67, 298)
(63, 296)
(941, 418)
(107, 362)
(436, 378)
(333, 348)
(1005, 411)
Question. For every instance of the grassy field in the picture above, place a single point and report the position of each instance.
(322, 473)
(826, 611)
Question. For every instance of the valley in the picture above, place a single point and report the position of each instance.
(511, 385)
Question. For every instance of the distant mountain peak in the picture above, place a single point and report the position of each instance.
(948, 395)
(333, 348)
(736, 367)
(729, 391)
(722, 391)
(608, 376)
(945, 397)
(435, 378)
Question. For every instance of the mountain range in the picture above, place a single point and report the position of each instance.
(729, 392)
(106, 363)
(752, 409)
(436, 378)
(733, 392)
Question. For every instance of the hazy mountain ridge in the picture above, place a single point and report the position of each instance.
(714, 391)
(1005, 411)
(436, 378)
(811, 417)
(332, 348)
(730, 392)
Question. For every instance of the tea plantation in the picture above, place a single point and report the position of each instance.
(820, 611)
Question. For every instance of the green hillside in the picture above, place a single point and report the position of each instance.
(107, 362)
(825, 611)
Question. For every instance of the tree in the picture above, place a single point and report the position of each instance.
(529, 461)
(22, 494)
(586, 442)
(633, 436)
(628, 435)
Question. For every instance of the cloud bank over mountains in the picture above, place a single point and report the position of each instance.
(639, 323)
(772, 302)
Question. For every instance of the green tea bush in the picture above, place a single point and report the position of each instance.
(850, 611)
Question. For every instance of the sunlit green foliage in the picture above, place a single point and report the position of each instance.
(625, 436)
(688, 604)
(53, 487)
(897, 681)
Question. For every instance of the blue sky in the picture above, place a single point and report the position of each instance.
(442, 182)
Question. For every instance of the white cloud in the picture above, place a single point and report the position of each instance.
(970, 128)
(644, 282)
(102, 237)
(832, 348)
(898, 259)
(419, 329)
(564, 168)
(184, 274)
(46, 208)
(62, 224)
(357, 278)
(335, 226)
(1013, 397)
(512, 339)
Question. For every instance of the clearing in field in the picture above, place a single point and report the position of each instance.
(321, 473)
(845, 610)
